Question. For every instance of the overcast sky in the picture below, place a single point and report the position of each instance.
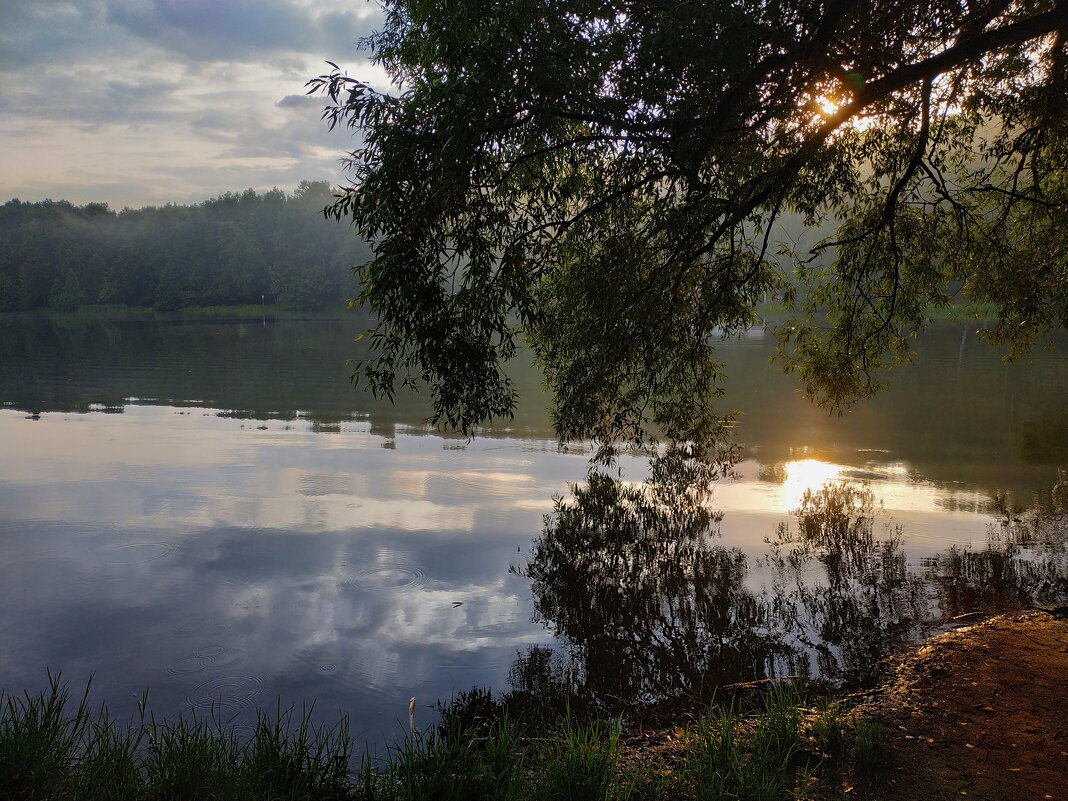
(137, 102)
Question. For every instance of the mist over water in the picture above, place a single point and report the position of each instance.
(208, 509)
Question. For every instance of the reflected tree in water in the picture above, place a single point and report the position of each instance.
(869, 601)
(1044, 440)
(651, 608)
(865, 603)
(1024, 563)
(630, 576)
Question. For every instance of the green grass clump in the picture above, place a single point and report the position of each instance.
(187, 759)
(109, 767)
(869, 744)
(580, 763)
(54, 747)
(760, 764)
(829, 728)
(449, 765)
(40, 742)
(51, 749)
(290, 758)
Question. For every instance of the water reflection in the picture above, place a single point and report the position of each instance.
(654, 609)
(1023, 563)
(258, 529)
(292, 368)
(1045, 439)
(650, 605)
(958, 414)
(843, 586)
(241, 615)
(802, 477)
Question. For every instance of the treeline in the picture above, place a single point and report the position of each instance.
(240, 248)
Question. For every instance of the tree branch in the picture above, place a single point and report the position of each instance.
(1013, 34)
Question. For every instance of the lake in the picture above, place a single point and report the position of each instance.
(208, 509)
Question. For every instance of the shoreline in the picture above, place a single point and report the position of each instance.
(980, 712)
(976, 712)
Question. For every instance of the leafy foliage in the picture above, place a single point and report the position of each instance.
(609, 181)
(233, 249)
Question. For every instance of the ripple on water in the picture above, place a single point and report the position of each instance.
(232, 692)
(133, 553)
(474, 661)
(235, 585)
(476, 484)
(387, 570)
(210, 657)
(114, 560)
(316, 484)
(360, 671)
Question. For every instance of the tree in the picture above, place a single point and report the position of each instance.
(237, 248)
(67, 294)
(610, 180)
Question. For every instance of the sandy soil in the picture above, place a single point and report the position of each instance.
(980, 713)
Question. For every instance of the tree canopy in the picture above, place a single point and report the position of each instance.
(618, 184)
(237, 248)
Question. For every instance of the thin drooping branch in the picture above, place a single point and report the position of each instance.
(603, 182)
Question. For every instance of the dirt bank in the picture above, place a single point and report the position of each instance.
(980, 713)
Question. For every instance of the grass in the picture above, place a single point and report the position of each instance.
(56, 746)
(869, 744)
(582, 762)
(51, 748)
(763, 764)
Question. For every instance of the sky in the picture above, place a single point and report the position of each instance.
(145, 102)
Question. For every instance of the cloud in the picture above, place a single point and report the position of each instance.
(214, 30)
(94, 93)
(211, 29)
(299, 102)
(51, 32)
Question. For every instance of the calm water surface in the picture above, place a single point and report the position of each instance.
(208, 510)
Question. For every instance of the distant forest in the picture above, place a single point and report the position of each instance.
(244, 248)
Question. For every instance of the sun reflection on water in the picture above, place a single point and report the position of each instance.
(805, 474)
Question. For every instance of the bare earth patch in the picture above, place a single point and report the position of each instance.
(980, 713)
